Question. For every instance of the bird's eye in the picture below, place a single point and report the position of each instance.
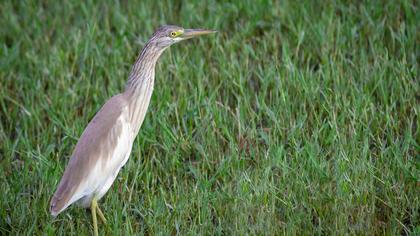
(173, 34)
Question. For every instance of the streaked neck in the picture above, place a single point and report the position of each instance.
(139, 87)
(143, 69)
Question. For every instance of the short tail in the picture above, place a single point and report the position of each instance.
(60, 201)
(55, 208)
(62, 197)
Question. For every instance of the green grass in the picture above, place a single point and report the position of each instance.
(298, 117)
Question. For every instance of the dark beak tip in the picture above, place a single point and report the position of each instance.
(189, 33)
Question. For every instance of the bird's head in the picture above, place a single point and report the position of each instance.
(167, 35)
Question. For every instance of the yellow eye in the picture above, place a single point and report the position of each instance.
(173, 34)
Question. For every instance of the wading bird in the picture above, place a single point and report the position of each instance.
(106, 143)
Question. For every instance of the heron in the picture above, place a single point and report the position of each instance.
(105, 144)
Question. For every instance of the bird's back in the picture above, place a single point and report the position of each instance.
(97, 152)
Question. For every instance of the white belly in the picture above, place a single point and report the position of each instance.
(105, 172)
(98, 186)
(108, 182)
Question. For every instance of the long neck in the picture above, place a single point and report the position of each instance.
(143, 69)
(140, 84)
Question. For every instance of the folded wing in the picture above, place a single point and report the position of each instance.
(92, 155)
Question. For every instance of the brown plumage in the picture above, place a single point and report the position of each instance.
(105, 145)
(100, 136)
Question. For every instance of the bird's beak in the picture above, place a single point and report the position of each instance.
(191, 33)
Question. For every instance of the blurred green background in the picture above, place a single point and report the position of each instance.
(298, 117)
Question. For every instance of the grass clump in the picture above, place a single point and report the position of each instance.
(298, 117)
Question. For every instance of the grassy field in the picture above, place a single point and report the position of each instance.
(298, 117)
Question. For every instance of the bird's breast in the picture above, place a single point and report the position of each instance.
(139, 103)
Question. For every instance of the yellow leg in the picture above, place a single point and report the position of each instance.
(95, 222)
(101, 215)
